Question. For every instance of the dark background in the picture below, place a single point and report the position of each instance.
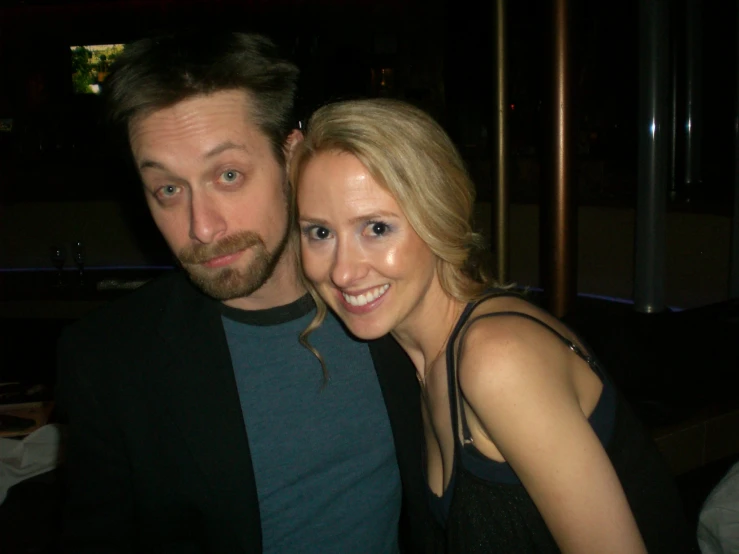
(439, 54)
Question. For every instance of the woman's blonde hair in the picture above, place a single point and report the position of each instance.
(409, 154)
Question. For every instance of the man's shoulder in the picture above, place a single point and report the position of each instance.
(136, 311)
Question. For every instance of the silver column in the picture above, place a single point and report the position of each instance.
(654, 142)
(734, 266)
(693, 95)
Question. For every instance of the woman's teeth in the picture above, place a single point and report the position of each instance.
(367, 297)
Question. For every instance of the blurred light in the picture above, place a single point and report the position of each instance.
(513, 106)
(88, 268)
(386, 76)
(604, 297)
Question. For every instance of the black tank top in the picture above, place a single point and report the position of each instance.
(486, 509)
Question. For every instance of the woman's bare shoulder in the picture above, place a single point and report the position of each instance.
(496, 347)
(510, 303)
(502, 312)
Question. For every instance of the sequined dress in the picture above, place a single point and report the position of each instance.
(485, 509)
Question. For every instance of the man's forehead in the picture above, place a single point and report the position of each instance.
(209, 119)
(225, 102)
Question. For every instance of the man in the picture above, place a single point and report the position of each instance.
(198, 422)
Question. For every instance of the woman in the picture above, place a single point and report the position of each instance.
(528, 446)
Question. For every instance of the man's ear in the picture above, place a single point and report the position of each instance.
(292, 141)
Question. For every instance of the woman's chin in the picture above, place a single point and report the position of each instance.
(364, 333)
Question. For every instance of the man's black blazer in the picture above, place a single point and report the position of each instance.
(158, 458)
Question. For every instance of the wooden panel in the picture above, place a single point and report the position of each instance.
(683, 447)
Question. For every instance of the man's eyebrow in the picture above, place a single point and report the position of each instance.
(228, 145)
(151, 164)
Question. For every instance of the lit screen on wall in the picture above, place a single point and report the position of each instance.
(90, 66)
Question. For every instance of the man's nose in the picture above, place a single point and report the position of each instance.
(207, 223)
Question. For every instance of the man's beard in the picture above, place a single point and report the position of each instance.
(228, 283)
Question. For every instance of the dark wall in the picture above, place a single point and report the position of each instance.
(58, 149)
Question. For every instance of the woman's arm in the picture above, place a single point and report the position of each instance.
(518, 382)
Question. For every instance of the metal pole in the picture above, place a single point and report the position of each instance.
(501, 147)
(693, 94)
(559, 215)
(734, 266)
(653, 139)
(674, 187)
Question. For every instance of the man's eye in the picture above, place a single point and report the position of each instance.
(168, 191)
(230, 176)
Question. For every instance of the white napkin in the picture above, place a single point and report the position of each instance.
(39, 452)
(718, 523)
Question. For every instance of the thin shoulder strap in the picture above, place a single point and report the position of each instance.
(466, 435)
(451, 363)
(571, 345)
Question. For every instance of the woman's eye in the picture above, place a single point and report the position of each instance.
(322, 233)
(230, 176)
(378, 229)
(318, 233)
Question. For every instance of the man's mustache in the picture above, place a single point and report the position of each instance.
(201, 253)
